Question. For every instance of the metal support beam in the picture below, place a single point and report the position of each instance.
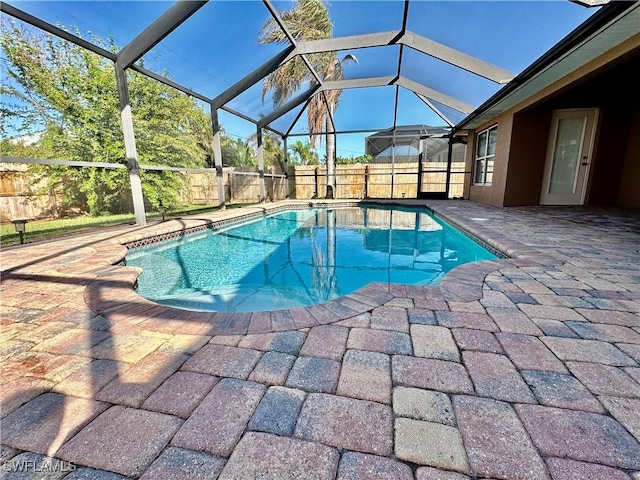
(251, 79)
(217, 157)
(65, 163)
(412, 40)
(435, 95)
(168, 82)
(353, 42)
(329, 110)
(405, 16)
(260, 164)
(295, 120)
(395, 113)
(358, 83)
(415, 87)
(393, 140)
(367, 130)
(287, 191)
(278, 19)
(590, 3)
(456, 58)
(58, 32)
(435, 110)
(130, 146)
(287, 107)
(409, 39)
(449, 161)
(159, 29)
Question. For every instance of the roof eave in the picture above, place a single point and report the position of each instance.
(582, 33)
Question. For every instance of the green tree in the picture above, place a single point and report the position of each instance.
(273, 152)
(237, 152)
(308, 20)
(303, 153)
(365, 158)
(70, 94)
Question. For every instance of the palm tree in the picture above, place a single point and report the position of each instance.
(237, 153)
(273, 152)
(303, 153)
(308, 20)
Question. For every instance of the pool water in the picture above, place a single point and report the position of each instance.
(301, 257)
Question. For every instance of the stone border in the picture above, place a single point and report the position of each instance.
(212, 225)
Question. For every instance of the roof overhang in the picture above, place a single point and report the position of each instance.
(612, 25)
(591, 3)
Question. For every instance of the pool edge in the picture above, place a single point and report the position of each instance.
(350, 306)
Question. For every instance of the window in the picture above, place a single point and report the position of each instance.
(485, 153)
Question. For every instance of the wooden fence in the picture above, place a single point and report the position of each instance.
(376, 180)
(18, 200)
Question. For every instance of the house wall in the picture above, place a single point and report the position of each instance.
(530, 135)
(629, 189)
(608, 157)
(523, 135)
(492, 194)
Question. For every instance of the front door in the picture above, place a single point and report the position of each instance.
(568, 157)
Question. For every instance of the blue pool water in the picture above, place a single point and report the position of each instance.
(301, 257)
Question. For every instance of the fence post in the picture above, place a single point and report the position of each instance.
(366, 181)
(316, 180)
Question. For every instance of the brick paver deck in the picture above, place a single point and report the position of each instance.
(526, 367)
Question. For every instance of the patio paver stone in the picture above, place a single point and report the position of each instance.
(218, 422)
(313, 374)
(262, 455)
(346, 423)
(278, 411)
(517, 368)
(116, 435)
(423, 405)
(178, 463)
(366, 375)
(580, 436)
(427, 443)
(563, 391)
(46, 422)
(496, 443)
(354, 465)
(434, 342)
(380, 341)
(223, 361)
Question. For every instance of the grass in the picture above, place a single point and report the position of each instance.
(38, 230)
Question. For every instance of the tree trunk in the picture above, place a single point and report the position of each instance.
(331, 156)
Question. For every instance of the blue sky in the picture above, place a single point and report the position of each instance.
(218, 45)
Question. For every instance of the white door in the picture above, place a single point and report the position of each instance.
(568, 157)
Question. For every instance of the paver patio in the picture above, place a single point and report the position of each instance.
(526, 367)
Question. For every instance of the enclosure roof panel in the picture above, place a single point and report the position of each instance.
(448, 57)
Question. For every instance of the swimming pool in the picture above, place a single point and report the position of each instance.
(301, 257)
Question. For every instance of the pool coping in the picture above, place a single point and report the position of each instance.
(112, 293)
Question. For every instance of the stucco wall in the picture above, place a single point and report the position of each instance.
(608, 157)
(493, 194)
(529, 139)
(629, 190)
